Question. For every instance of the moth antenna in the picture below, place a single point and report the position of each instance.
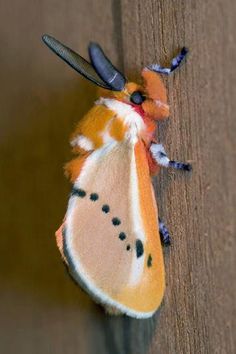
(78, 63)
(105, 69)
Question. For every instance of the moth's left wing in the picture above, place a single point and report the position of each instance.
(111, 240)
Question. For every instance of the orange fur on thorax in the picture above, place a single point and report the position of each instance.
(93, 123)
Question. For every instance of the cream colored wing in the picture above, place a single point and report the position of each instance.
(111, 240)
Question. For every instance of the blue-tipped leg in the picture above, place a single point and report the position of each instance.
(164, 233)
(160, 156)
(180, 165)
(175, 63)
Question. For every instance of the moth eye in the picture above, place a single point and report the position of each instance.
(137, 97)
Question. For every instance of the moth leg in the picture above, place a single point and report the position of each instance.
(160, 156)
(180, 165)
(175, 63)
(164, 233)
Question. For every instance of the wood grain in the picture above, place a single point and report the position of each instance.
(41, 309)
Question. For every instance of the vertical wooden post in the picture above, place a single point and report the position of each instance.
(199, 209)
(42, 310)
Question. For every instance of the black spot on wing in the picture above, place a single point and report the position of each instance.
(94, 196)
(116, 221)
(105, 208)
(78, 192)
(139, 248)
(149, 261)
(128, 247)
(122, 236)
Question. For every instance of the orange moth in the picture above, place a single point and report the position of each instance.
(110, 236)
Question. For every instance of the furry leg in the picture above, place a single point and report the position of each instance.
(180, 165)
(164, 233)
(175, 63)
(159, 154)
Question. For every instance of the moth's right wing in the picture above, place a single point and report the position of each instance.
(111, 240)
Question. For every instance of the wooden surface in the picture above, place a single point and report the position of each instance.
(41, 309)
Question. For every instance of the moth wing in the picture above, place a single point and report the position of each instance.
(110, 239)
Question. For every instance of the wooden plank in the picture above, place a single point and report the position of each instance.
(196, 316)
(41, 309)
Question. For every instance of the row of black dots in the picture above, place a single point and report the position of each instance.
(105, 208)
(116, 222)
(122, 237)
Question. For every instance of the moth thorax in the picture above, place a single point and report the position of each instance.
(132, 120)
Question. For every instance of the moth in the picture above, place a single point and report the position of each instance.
(110, 238)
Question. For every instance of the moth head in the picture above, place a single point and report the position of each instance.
(148, 99)
(151, 97)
